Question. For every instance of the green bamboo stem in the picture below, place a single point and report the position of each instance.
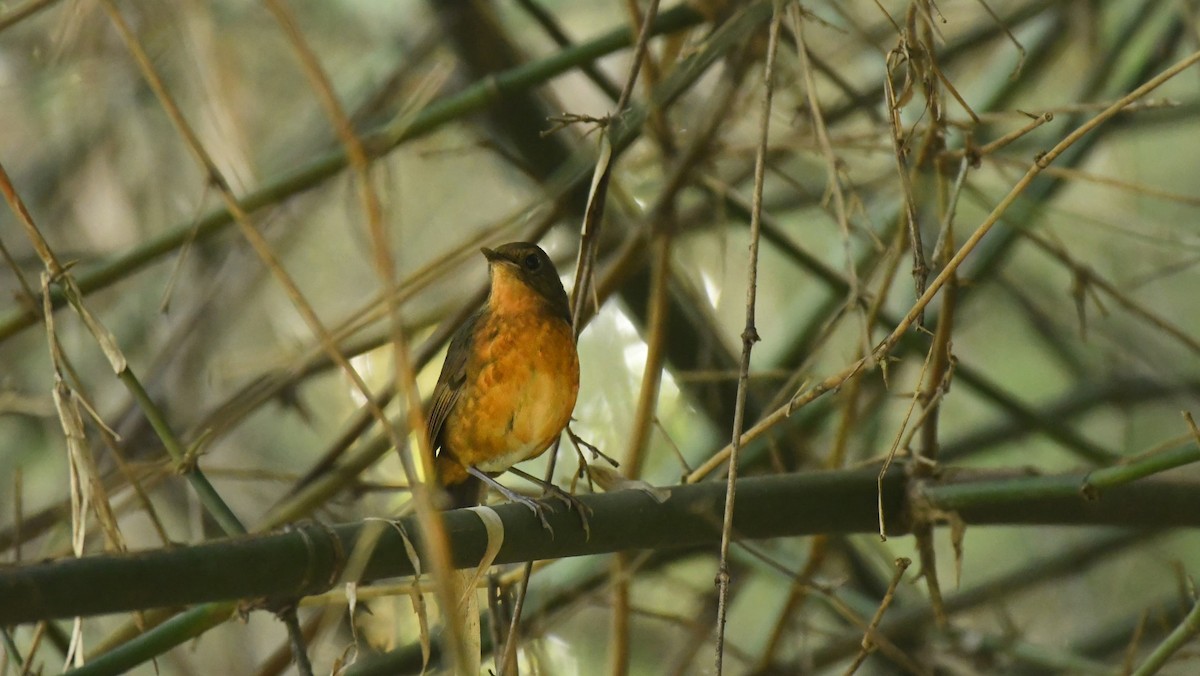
(158, 640)
(1117, 475)
(308, 559)
(1097, 487)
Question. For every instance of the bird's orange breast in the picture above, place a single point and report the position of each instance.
(520, 388)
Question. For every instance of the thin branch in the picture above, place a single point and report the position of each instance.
(589, 235)
(749, 333)
(833, 171)
(902, 565)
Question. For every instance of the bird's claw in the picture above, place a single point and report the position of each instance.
(539, 510)
(572, 503)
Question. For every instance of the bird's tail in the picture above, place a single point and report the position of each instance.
(468, 493)
(464, 490)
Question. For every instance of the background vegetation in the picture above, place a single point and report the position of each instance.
(275, 209)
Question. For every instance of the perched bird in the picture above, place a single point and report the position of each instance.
(509, 382)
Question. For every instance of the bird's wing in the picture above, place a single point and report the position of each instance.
(450, 382)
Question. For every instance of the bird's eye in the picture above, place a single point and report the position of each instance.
(532, 262)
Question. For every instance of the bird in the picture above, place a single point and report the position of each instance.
(509, 383)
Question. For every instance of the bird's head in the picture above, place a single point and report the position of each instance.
(523, 277)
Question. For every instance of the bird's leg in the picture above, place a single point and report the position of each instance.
(571, 501)
(538, 508)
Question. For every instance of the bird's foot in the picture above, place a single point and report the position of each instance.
(572, 502)
(536, 506)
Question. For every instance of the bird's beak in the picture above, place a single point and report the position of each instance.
(491, 255)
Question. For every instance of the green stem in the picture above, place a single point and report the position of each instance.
(158, 640)
(212, 501)
(1171, 644)
(1117, 475)
(970, 496)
